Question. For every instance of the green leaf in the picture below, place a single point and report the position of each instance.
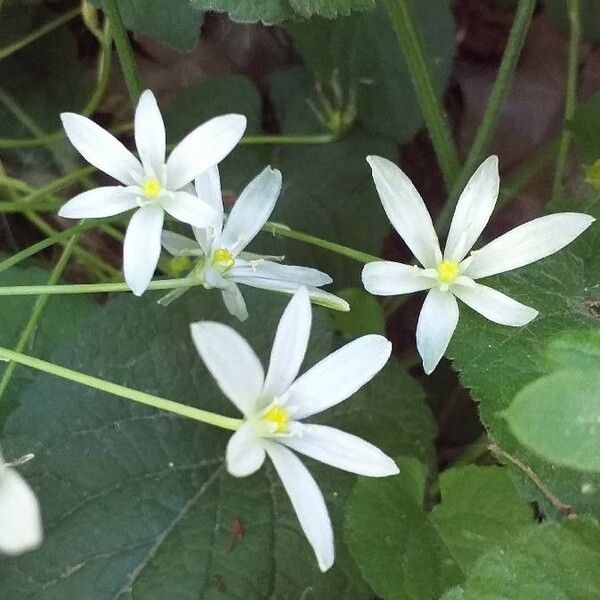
(273, 11)
(365, 316)
(558, 417)
(362, 52)
(543, 562)
(177, 26)
(495, 361)
(405, 552)
(61, 320)
(137, 503)
(585, 127)
(575, 349)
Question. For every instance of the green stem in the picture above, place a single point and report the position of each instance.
(38, 33)
(412, 47)
(124, 392)
(36, 313)
(514, 45)
(126, 58)
(285, 231)
(571, 95)
(321, 138)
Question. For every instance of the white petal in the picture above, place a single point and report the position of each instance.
(341, 450)
(101, 148)
(20, 521)
(141, 248)
(99, 202)
(435, 327)
(203, 148)
(406, 210)
(252, 209)
(307, 500)
(234, 301)
(290, 344)
(527, 243)
(386, 278)
(208, 188)
(316, 295)
(244, 454)
(188, 208)
(339, 375)
(179, 245)
(494, 305)
(293, 274)
(474, 209)
(149, 129)
(231, 361)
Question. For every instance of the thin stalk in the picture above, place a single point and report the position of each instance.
(182, 410)
(38, 33)
(570, 97)
(285, 231)
(320, 138)
(36, 313)
(514, 45)
(124, 51)
(412, 47)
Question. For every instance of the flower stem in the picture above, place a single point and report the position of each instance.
(285, 231)
(412, 47)
(37, 311)
(320, 138)
(571, 95)
(119, 390)
(514, 45)
(38, 33)
(126, 58)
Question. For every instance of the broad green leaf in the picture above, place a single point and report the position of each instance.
(558, 417)
(365, 316)
(543, 562)
(61, 320)
(361, 52)
(495, 361)
(405, 552)
(585, 127)
(176, 24)
(575, 349)
(272, 11)
(137, 503)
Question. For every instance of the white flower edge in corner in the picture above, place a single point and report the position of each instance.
(452, 274)
(221, 246)
(273, 406)
(20, 520)
(154, 185)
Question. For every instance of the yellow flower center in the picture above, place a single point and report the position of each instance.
(447, 271)
(152, 188)
(279, 417)
(223, 260)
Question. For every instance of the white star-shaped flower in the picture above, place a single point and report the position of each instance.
(274, 405)
(20, 520)
(450, 275)
(221, 246)
(152, 184)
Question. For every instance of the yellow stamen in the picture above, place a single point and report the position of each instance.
(447, 271)
(223, 260)
(152, 188)
(279, 417)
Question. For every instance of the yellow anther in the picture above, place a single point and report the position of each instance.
(223, 260)
(279, 417)
(152, 188)
(447, 271)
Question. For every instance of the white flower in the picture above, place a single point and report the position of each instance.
(20, 520)
(450, 275)
(273, 406)
(224, 264)
(151, 184)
